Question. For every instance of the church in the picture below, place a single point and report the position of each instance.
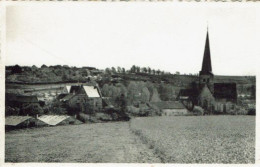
(210, 95)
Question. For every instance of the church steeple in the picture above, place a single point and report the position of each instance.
(206, 75)
(206, 64)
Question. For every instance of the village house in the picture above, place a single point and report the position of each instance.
(210, 95)
(85, 98)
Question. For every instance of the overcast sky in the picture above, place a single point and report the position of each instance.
(163, 36)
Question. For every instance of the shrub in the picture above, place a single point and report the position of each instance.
(251, 111)
(198, 110)
(103, 117)
(32, 109)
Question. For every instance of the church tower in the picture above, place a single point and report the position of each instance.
(206, 76)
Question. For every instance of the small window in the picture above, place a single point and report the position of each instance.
(204, 80)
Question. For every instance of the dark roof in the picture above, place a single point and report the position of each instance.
(67, 97)
(62, 95)
(225, 90)
(169, 105)
(21, 98)
(206, 64)
(77, 89)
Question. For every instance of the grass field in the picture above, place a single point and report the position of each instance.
(90, 143)
(207, 139)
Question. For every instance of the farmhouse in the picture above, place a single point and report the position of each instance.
(206, 92)
(82, 97)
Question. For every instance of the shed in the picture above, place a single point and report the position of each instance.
(53, 120)
(171, 108)
(16, 122)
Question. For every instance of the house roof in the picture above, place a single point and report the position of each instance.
(61, 96)
(225, 90)
(67, 97)
(75, 89)
(91, 91)
(169, 105)
(53, 119)
(68, 88)
(16, 120)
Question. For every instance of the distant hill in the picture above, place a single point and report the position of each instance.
(64, 74)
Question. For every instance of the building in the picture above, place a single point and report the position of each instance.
(17, 122)
(82, 97)
(171, 108)
(210, 95)
(54, 120)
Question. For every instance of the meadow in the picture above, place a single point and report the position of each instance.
(191, 139)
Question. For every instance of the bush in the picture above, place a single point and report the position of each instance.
(32, 109)
(242, 111)
(251, 111)
(11, 111)
(103, 117)
(198, 110)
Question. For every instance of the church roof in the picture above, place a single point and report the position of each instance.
(225, 90)
(206, 64)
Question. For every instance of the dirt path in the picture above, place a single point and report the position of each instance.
(103, 142)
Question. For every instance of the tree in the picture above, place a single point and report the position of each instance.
(153, 71)
(119, 69)
(122, 102)
(131, 91)
(149, 70)
(32, 109)
(253, 91)
(177, 73)
(113, 69)
(145, 95)
(108, 71)
(133, 69)
(11, 111)
(158, 72)
(144, 69)
(137, 69)
(16, 69)
(123, 70)
(43, 66)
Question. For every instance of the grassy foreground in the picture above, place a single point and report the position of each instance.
(88, 143)
(205, 139)
(193, 139)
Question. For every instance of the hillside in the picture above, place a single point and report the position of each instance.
(54, 78)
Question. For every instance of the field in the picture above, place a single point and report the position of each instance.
(205, 139)
(90, 143)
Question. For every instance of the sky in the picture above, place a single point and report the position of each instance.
(162, 36)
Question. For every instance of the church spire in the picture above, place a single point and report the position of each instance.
(206, 64)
